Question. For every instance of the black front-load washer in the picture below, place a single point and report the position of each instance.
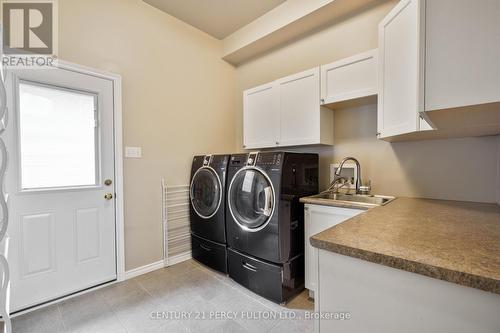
(265, 220)
(207, 210)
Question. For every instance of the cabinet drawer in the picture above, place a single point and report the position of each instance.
(209, 253)
(260, 277)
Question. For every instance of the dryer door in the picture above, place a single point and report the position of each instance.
(205, 192)
(251, 199)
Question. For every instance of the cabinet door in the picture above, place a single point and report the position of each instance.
(299, 98)
(462, 53)
(261, 116)
(349, 78)
(400, 71)
(317, 219)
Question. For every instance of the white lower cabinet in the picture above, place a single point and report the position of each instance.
(317, 219)
(378, 298)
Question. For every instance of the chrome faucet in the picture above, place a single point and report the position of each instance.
(358, 168)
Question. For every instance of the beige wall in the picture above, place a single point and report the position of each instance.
(181, 99)
(459, 169)
(177, 100)
(498, 172)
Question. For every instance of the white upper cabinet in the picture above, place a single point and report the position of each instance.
(439, 59)
(462, 53)
(400, 72)
(349, 78)
(261, 116)
(287, 112)
(300, 108)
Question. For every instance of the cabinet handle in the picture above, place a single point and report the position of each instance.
(277, 143)
(249, 267)
(206, 248)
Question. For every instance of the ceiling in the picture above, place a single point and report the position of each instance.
(218, 18)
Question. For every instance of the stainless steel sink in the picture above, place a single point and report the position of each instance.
(362, 200)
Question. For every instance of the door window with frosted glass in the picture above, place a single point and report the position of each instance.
(58, 137)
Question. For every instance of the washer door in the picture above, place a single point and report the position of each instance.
(205, 192)
(251, 199)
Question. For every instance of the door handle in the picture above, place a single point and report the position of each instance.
(268, 197)
(108, 196)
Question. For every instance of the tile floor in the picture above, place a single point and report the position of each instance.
(188, 286)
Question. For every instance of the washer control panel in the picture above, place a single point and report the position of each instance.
(206, 160)
(252, 158)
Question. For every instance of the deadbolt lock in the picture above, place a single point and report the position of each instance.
(108, 182)
(108, 196)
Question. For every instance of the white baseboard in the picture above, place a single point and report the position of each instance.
(144, 269)
(157, 265)
(178, 258)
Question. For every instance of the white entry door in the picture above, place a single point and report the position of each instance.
(61, 185)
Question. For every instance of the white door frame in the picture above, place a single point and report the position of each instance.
(118, 169)
(118, 148)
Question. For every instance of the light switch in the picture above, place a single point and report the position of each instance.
(133, 152)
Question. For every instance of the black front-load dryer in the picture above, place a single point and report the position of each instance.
(207, 210)
(265, 220)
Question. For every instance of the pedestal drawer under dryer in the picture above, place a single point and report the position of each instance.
(272, 281)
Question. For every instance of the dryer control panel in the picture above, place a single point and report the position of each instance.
(270, 159)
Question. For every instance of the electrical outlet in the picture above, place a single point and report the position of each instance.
(133, 152)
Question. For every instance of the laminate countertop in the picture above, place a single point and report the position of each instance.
(452, 241)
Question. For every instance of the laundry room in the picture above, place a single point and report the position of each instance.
(250, 166)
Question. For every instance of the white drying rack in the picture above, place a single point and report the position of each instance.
(175, 221)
